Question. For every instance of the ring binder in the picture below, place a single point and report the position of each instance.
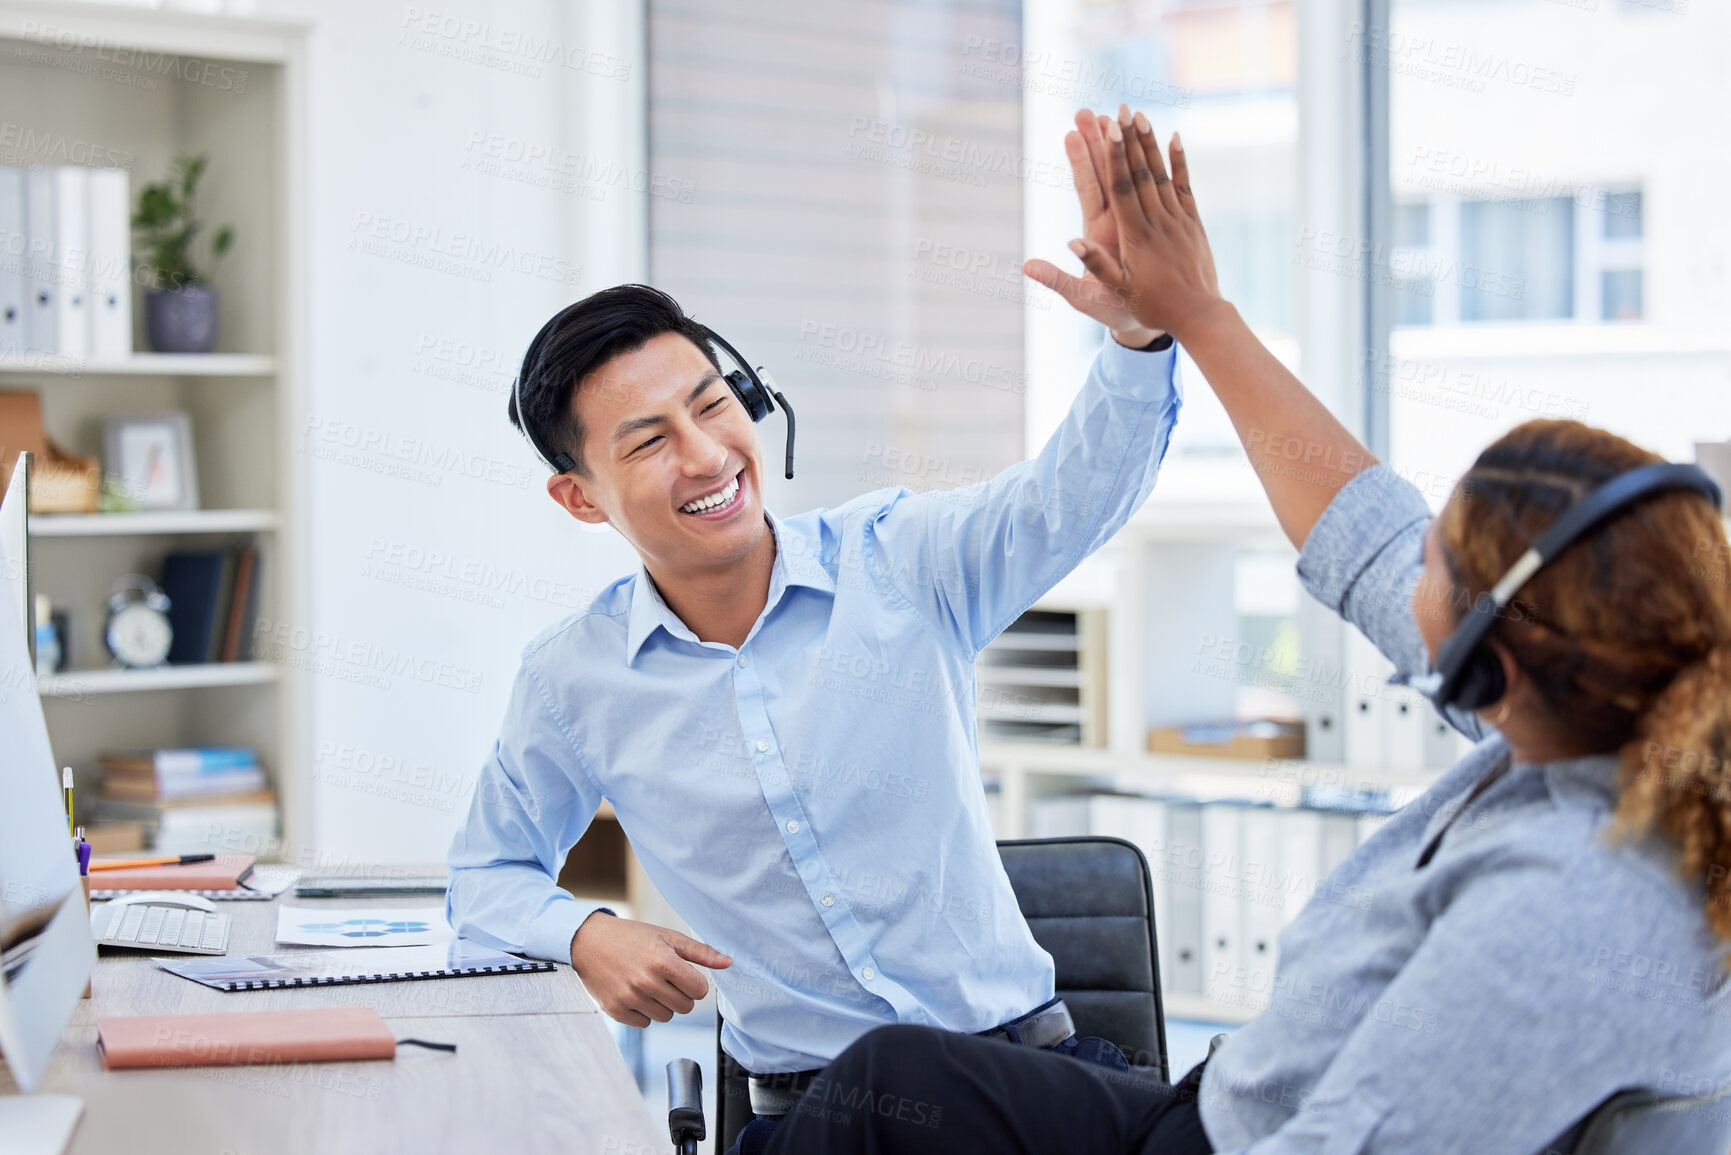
(362, 965)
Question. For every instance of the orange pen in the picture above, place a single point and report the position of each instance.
(171, 860)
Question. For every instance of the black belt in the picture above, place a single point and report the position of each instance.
(1045, 1026)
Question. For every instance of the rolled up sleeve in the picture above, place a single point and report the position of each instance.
(1362, 560)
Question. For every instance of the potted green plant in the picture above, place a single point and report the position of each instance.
(179, 304)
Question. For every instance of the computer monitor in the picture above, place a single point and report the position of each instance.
(46, 949)
(15, 541)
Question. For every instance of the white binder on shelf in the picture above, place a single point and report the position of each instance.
(1407, 715)
(1142, 823)
(1223, 905)
(1301, 860)
(1181, 939)
(1339, 838)
(1367, 703)
(1063, 816)
(71, 259)
(42, 296)
(1443, 744)
(1369, 824)
(1112, 816)
(1264, 906)
(110, 265)
(13, 278)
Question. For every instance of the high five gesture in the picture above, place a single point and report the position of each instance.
(1161, 271)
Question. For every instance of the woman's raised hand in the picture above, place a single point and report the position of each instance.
(1086, 148)
(1161, 269)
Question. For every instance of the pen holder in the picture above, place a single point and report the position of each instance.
(84, 881)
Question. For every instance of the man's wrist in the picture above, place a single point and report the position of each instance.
(586, 918)
(1143, 340)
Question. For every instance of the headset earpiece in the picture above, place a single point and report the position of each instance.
(1482, 680)
(752, 395)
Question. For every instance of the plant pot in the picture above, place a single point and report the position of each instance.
(181, 320)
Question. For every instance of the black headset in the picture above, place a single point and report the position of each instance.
(754, 388)
(1468, 674)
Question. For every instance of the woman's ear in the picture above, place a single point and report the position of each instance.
(568, 491)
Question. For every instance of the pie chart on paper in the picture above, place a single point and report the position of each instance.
(363, 926)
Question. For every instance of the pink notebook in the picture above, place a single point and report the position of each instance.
(224, 872)
(237, 1038)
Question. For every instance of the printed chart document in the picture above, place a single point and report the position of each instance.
(362, 926)
(315, 968)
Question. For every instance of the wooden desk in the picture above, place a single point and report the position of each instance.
(535, 1069)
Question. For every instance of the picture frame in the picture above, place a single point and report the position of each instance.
(149, 457)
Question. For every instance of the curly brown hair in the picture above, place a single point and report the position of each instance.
(1626, 636)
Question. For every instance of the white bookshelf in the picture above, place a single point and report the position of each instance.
(174, 521)
(121, 681)
(1026, 770)
(142, 365)
(246, 399)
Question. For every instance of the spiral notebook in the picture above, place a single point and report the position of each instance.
(317, 968)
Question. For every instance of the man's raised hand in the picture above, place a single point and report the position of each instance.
(640, 972)
(1086, 149)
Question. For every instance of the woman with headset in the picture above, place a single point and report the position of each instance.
(1548, 924)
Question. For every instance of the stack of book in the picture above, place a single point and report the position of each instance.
(189, 801)
(212, 598)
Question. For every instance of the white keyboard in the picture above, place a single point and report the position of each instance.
(165, 928)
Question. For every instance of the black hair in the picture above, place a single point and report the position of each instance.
(579, 340)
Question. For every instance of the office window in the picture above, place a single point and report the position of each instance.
(1517, 260)
(1623, 215)
(1620, 294)
(1248, 248)
(1222, 73)
(837, 188)
(1516, 124)
(1412, 225)
(1412, 263)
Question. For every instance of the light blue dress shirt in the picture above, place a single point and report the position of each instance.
(810, 803)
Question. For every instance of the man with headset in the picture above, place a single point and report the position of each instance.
(781, 711)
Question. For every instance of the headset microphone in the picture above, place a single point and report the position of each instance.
(754, 388)
(1468, 674)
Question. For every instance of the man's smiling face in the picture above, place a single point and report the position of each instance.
(673, 460)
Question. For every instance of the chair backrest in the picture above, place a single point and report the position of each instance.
(1644, 1122)
(1090, 903)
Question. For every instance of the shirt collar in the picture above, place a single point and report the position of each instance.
(797, 563)
(1593, 779)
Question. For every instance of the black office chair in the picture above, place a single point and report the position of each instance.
(1089, 903)
(1644, 1122)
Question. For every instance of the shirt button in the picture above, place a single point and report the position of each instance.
(868, 974)
(762, 746)
(828, 900)
(792, 827)
(742, 661)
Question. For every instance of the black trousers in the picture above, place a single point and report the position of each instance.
(909, 1090)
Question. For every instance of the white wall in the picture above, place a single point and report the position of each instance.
(434, 551)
